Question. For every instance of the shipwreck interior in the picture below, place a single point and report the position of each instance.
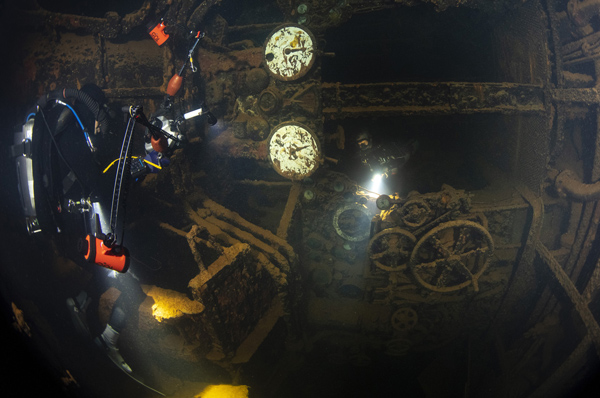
(397, 198)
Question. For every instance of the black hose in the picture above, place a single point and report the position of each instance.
(92, 105)
(78, 95)
(83, 97)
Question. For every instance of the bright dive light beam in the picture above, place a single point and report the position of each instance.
(101, 215)
(376, 182)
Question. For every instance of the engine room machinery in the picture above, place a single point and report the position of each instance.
(267, 254)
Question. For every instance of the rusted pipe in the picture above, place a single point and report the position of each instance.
(567, 184)
(200, 11)
(581, 11)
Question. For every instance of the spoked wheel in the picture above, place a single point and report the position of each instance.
(452, 256)
(390, 249)
(415, 213)
(404, 319)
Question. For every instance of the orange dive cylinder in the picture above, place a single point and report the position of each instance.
(107, 257)
(174, 84)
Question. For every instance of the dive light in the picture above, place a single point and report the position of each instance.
(97, 252)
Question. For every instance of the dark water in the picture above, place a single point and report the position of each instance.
(403, 44)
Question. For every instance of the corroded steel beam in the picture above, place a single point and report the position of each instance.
(112, 24)
(109, 27)
(581, 306)
(593, 284)
(588, 96)
(354, 100)
(288, 213)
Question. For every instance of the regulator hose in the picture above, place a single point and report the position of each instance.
(78, 95)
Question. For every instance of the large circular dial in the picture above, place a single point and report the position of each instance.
(294, 151)
(289, 52)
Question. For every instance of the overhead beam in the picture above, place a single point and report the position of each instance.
(588, 96)
(356, 100)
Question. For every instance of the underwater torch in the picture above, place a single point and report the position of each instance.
(98, 252)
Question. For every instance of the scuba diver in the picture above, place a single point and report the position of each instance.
(385, 160)
(70, 196)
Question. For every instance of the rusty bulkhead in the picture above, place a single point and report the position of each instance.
(352, 198)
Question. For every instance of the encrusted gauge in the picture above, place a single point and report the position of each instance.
(289, 52)
(383, 202)
(294, 151)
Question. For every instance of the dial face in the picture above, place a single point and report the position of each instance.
(294, 151)
(289, 52)
(383, 202)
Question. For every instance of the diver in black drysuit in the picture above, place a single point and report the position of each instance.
(67, 167)
(368, 162)
(384, 159)
(71, 145)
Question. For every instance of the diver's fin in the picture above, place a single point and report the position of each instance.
(107, 341)
(143, 384)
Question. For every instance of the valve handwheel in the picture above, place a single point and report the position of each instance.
(404, 319)
(452, 256)
(415, 213)
(391, 248)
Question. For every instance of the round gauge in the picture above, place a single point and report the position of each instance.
(383, 202)
(309, 195)
(289, 52)
(294, 151)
